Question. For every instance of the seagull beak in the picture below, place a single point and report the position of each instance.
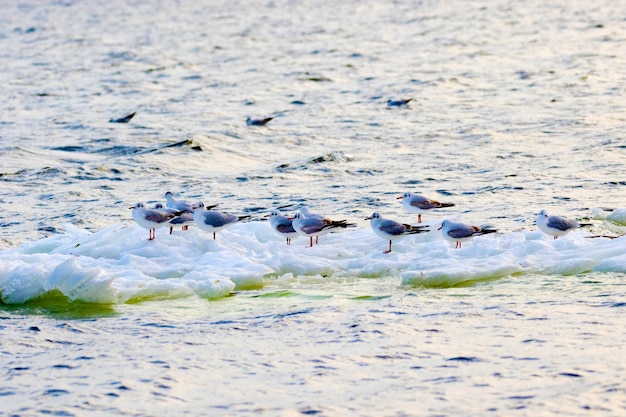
(440, 228)
(400, 198)
(368, 218)
(131, 207)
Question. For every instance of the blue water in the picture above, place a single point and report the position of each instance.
(516, 107)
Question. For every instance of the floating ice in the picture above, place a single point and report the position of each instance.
(119, 265)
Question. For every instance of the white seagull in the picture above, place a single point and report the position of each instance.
(214, 221)
(557, 225)
(183, 218)
(282, 225)
(398, 103)
(392, 230)
(179, 205)
(258, 122)
(151, 219)
(316, 225)
(418, 204)
(459, 232)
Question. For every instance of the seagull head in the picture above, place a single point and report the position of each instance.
(374, 216)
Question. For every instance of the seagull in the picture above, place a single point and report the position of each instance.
(258, 122)
(124, 119)
(418, 204)
(398, 103)
(316, 225)
(459, 232)
(392, 230)
(182, 217)
(282, 225)
(151, 219)
(557, 225)
(214, 221)
(179, 205)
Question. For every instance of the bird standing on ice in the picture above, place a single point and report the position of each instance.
(418, 204)
(179, 205)
(459, 232)
(214, 221)
(557, 225)
(315, 225)
(151, 219)
(282, 225)
(392, 230)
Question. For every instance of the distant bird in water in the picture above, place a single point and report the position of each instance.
(258, 122)
(124, 119)
(557, 225)
(459, 232)
(418, 204)
(391, 230)
(398, 103)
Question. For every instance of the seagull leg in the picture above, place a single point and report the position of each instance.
(419, 218)
(289, 241)
(213, 235)
(311, 238)
(171, 229)
(185, 227)
(458, 245)
(151, 234)
(387, 251)
(317, 239)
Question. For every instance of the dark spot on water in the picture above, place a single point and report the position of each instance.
(522, 397)
(464, 359)
(63, 366)
(112, 394)
(618, 305)
(310, 412)
(319, 79)
(159, 325)
(298, 103)
(34, 329)
(293, 313)
(570, 374)
(533, 341)
(85, 358)
(70, 148)
(55, 392)
(20, 368)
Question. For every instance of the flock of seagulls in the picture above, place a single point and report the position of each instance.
(313, 225)
(403, 102)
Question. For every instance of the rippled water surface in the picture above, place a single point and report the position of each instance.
(517, 107)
